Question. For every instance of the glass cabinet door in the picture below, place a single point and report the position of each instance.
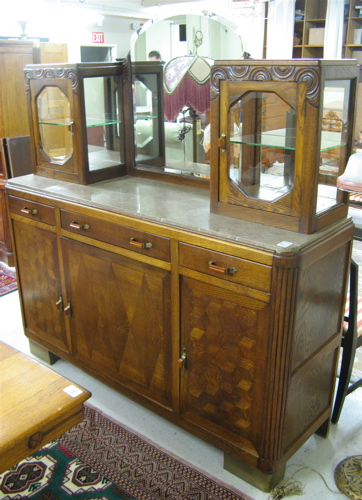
(55, 125)
(103, 120)
(262, 145)
(335, 130)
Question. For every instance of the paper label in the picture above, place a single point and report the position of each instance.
(285, 244)
(73, 391)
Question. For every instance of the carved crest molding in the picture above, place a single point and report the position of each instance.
(43, 73)
(272, 73)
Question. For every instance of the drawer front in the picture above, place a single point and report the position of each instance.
(32, 210)
(115, 234)
(233, 269)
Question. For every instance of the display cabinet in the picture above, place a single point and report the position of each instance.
(282, 132)
(77, 119)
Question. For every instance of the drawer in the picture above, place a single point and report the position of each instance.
(115, 234)
(32, 210)
(227, 267)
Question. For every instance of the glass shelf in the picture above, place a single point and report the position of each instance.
(56, 121)
(150, 117)
(98, 121)
(271, 139)
(277, 139)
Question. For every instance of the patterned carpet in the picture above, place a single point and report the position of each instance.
(7, 280)
(100, 459)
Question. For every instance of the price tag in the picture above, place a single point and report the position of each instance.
(285, 244)
(73, 391)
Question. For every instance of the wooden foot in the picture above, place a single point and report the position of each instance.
(256, 477)
(42, 353)
(323, 430)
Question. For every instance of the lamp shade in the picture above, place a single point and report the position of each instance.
(351, 179)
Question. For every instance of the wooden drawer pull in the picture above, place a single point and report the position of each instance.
(29, 211)
(221, 270)
(75, 225)
(139, 244)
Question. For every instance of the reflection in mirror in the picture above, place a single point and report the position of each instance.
(103, 122)
(55, 125)
(333, 150)
(146, 115)
(262, 129)
(190, 44)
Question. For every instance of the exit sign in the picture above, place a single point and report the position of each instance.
(97, 37)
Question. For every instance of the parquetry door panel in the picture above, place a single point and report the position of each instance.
(222, 382)
(120, 323)
(38, 269)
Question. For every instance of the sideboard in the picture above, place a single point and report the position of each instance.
(228, 328)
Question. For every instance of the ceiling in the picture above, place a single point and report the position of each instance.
(127, 8)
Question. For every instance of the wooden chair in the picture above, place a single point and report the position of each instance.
(351, 340)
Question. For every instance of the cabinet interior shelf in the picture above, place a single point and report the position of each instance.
(277, 139)
(145, 118)
(91, 122)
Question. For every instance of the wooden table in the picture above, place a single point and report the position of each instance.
(37, 405)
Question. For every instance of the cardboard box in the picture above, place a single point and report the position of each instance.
(357, 39)
(357, 54)
(316, 36)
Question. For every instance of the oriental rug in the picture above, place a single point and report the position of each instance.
(7, 280)
(101, 459)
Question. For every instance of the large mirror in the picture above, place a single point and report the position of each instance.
(188, 45)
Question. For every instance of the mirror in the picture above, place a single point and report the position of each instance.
(190, 44)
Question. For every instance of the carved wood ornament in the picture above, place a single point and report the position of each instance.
(268, 74)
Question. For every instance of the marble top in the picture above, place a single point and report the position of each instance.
(172, 205)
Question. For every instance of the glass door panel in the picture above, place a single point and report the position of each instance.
(262, 129)
(103, 122)
(334, 141)
(55, 125)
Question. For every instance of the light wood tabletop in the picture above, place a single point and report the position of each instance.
(37, 405)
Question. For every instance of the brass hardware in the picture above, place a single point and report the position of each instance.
(29, 211)
(221, 270)
(222, 142)
(139, 244)
(68, 310)
(182, 360)
(75, 225)
(59, 303)
(71, 128)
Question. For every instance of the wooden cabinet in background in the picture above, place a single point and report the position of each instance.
(224, 334)
(49, 53)
(14, 56)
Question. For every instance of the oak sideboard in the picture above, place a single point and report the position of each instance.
(228, 328)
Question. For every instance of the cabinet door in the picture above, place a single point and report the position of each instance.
(225, 337)
(40, 286)
(120, 323)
